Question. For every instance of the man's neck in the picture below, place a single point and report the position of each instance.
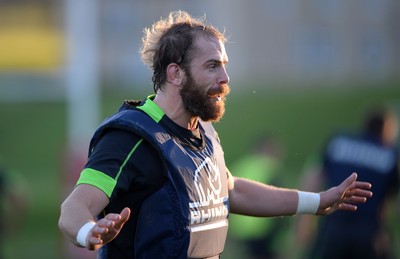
(173, 107)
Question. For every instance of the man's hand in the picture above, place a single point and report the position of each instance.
(106, 229)
(344, 196)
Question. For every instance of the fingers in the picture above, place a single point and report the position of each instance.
(95, 237)
(362, 185)
(113, 217)
(94, 242)
(124, 216)
(349, 180)
(359, 192)
(125, 212)
(107, 228)
(357, 188)
(350, 192)
(102, 227)
(348, 207)
(354, 199)
(111, 220)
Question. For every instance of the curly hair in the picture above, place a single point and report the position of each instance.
(171, 40)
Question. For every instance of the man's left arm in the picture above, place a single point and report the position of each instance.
(256, 199)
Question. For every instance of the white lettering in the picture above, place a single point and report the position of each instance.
(208, 214)
(361, 154)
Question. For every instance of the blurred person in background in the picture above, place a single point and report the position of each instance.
(156, 184)
(373, 154)
(13, 207)
(260, 237)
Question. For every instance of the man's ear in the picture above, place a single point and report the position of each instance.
(175, 74)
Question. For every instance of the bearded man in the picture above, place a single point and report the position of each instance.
(155, 184)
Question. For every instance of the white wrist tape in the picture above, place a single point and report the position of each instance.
(308, 202)
(83, 232)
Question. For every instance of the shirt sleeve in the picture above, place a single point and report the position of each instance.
(109, 157)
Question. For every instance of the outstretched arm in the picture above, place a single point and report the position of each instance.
(344, 196)
(256, 199)
(80, 209)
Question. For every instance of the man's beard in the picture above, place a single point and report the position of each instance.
(203, 104)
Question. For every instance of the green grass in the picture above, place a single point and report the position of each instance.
(302, 119)
(33, 135)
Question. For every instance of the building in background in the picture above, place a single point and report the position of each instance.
(278, 41)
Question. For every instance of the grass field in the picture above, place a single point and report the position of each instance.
(32, 140)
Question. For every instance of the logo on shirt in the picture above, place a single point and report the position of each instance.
(209, 204)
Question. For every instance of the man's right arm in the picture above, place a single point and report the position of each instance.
(80, 207)
(90, 197)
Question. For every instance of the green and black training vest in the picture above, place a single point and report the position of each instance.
(188, 216)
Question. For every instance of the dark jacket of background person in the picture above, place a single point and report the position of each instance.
(373, 155)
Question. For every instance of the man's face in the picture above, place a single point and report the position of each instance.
(206, 85)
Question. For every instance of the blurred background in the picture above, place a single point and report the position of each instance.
(300, 70)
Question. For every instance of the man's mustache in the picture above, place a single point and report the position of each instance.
(220, 90)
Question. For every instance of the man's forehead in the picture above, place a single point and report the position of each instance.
(211, 49)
